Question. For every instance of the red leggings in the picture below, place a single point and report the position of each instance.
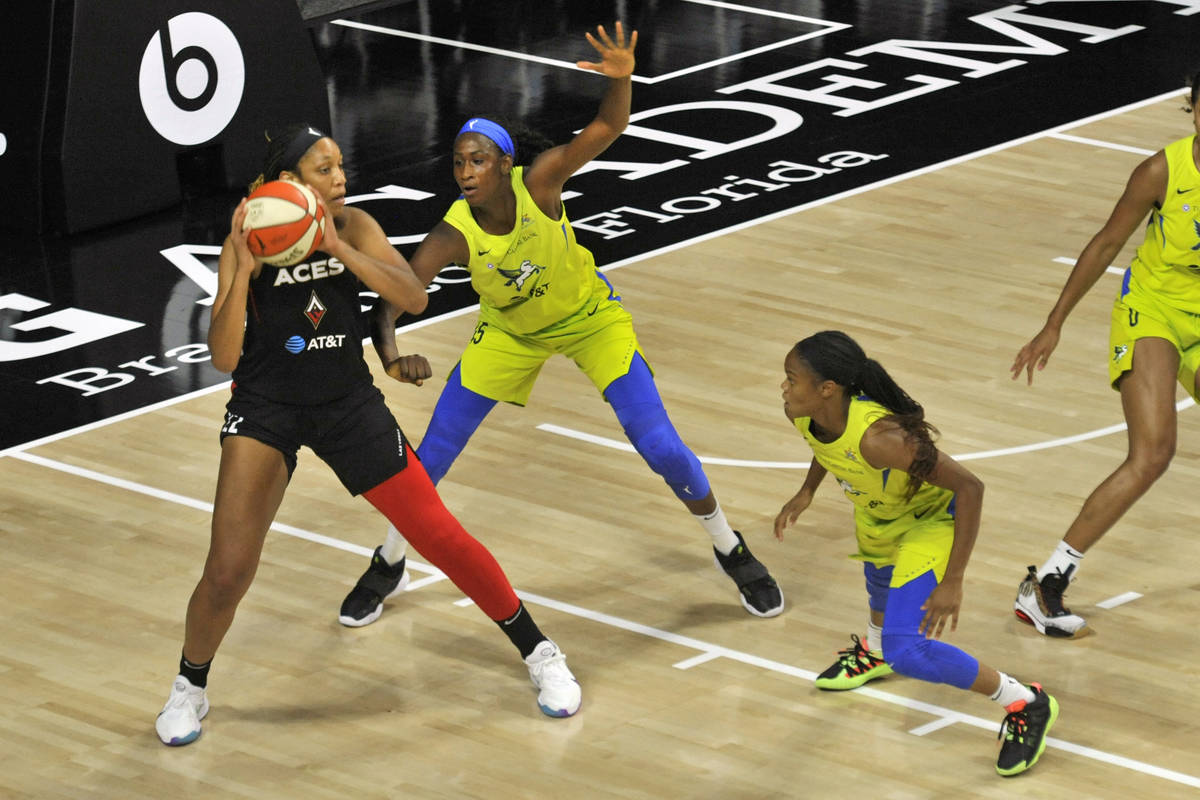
(410, 502)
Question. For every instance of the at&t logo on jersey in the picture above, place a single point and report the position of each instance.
(298, 344)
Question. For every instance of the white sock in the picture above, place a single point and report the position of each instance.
(1011, 690)
(393, 547)
(874, 637)
(718, 528)
(1061, 561)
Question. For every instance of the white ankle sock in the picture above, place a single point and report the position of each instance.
(1061, 560)
(874, 637)
(1011, 690)
(392, 549)
(718, 528)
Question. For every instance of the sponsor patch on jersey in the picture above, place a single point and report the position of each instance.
(295, 344)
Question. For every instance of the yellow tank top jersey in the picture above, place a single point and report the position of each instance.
(533, 276)
(1168, 261)
(877, 492)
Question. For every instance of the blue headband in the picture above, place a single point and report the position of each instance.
(485, 127)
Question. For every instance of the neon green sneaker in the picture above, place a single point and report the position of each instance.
(1024, 732)
(855, 666)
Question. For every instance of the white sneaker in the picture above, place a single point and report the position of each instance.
(559, 694)
(179, 721)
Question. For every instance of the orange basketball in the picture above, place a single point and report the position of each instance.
(286, 222)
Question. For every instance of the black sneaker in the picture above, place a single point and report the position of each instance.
(759, 593)
(1024, 732)
(1040, 604)
(364, 604)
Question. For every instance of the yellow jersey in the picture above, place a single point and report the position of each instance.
(878, 493)
(533, 276)
(1168, 260)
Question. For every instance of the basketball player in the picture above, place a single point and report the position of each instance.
(916, 515)
(1157, 316)
(321, 395)
(541, 294)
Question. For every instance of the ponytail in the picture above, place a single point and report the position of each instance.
(834, 356)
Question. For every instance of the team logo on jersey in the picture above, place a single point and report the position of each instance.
(848, 488)
(315, 310)
(851, 455)
(1119, 352)
(517, 277)
(1196, 225)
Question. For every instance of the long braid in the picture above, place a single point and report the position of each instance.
(834, 356)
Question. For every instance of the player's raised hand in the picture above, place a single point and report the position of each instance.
(616, 58)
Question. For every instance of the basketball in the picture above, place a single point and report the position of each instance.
(286, 222)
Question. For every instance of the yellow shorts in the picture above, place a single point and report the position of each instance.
(599, 338)
(1139, 314)
(911, 544)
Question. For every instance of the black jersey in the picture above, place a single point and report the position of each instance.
(304, 333)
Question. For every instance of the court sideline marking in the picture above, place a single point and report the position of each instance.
(708, 651)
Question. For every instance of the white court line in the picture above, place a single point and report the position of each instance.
(829, 27)
(624, 446)
(1119, 600)
(1098, 143)
(1111, 269)
(708, 651)
(695, 661)
(930, 727)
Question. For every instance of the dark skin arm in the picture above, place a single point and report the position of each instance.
(544, 178)
(885, 445)
(1144, 191)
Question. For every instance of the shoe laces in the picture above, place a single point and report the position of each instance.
(856, 658)
(1052, 588)
(183, 694)
(552, 669)
(1016, 723)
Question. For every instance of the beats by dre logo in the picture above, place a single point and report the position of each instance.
(191, 78)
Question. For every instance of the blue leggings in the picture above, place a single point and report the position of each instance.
(905, 649)
(633, 397)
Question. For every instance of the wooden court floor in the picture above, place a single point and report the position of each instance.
(941, 276)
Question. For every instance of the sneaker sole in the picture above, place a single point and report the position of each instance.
(853, 683)
(560, 713)
(1017, 770)
(352, 622)
(1050, 630)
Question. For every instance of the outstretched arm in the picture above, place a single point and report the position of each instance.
(1144, 189)
(549, 171)
(442, 246)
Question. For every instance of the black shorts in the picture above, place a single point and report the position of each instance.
(356, 435)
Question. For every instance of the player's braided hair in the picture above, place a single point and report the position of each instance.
(834, 356)
(277, 151)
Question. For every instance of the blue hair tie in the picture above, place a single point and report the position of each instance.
(485, 127)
